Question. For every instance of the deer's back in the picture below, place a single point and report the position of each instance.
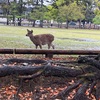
(43, 39)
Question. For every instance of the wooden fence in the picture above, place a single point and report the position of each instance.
(49, 53)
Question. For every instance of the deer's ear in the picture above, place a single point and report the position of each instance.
(27, 30)
(32, 31)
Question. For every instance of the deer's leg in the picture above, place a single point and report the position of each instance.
(49, 46)
(36, 46)
(40, 46)
(53, 47)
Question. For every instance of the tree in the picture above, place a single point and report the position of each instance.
(96, 19)
(52, 13)
(5, 7)
(21, 10)
(13, 10)
(87, 8)
(37, 13)
(70, 12)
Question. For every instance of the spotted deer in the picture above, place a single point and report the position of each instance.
(41, 39)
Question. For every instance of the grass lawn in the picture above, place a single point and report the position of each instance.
(67, 39)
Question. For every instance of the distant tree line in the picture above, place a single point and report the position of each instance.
(57, 10)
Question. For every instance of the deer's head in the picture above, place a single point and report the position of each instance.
(29, 33)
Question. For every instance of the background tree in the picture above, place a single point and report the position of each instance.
(13, 10)
(70, 12)
(96, 19)
(37, 14)
(21, 9)
(18, 9)
(87, 7)
(5, 7)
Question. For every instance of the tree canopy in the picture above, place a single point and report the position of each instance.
(59, 10)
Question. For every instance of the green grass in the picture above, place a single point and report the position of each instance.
(71, 39)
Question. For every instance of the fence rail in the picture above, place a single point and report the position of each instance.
(49, 52)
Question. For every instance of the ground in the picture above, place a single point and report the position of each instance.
(40, 88)
(65, 39)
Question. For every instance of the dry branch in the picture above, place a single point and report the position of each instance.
(80, 95)
(98, 90)
(66, 91)
(92, 87)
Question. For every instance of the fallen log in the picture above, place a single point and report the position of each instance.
(90, 61)
(22, 70)
(36, 61)
(49, 71)
(94, 69)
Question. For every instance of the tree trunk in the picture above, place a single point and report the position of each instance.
(14, 20)
(7, 20)
(67, 22)
(80, 24)
(41, 23)
(33, 23)
(8, 13)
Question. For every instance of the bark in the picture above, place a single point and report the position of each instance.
(90, 61)
(95, 65)
(92, 87)
(66, 91)
(50, 70)
(98, 90)
(36, 61)
(22, 70)
(80, 95)
(33, 23)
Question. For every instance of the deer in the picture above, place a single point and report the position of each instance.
(41, 39)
